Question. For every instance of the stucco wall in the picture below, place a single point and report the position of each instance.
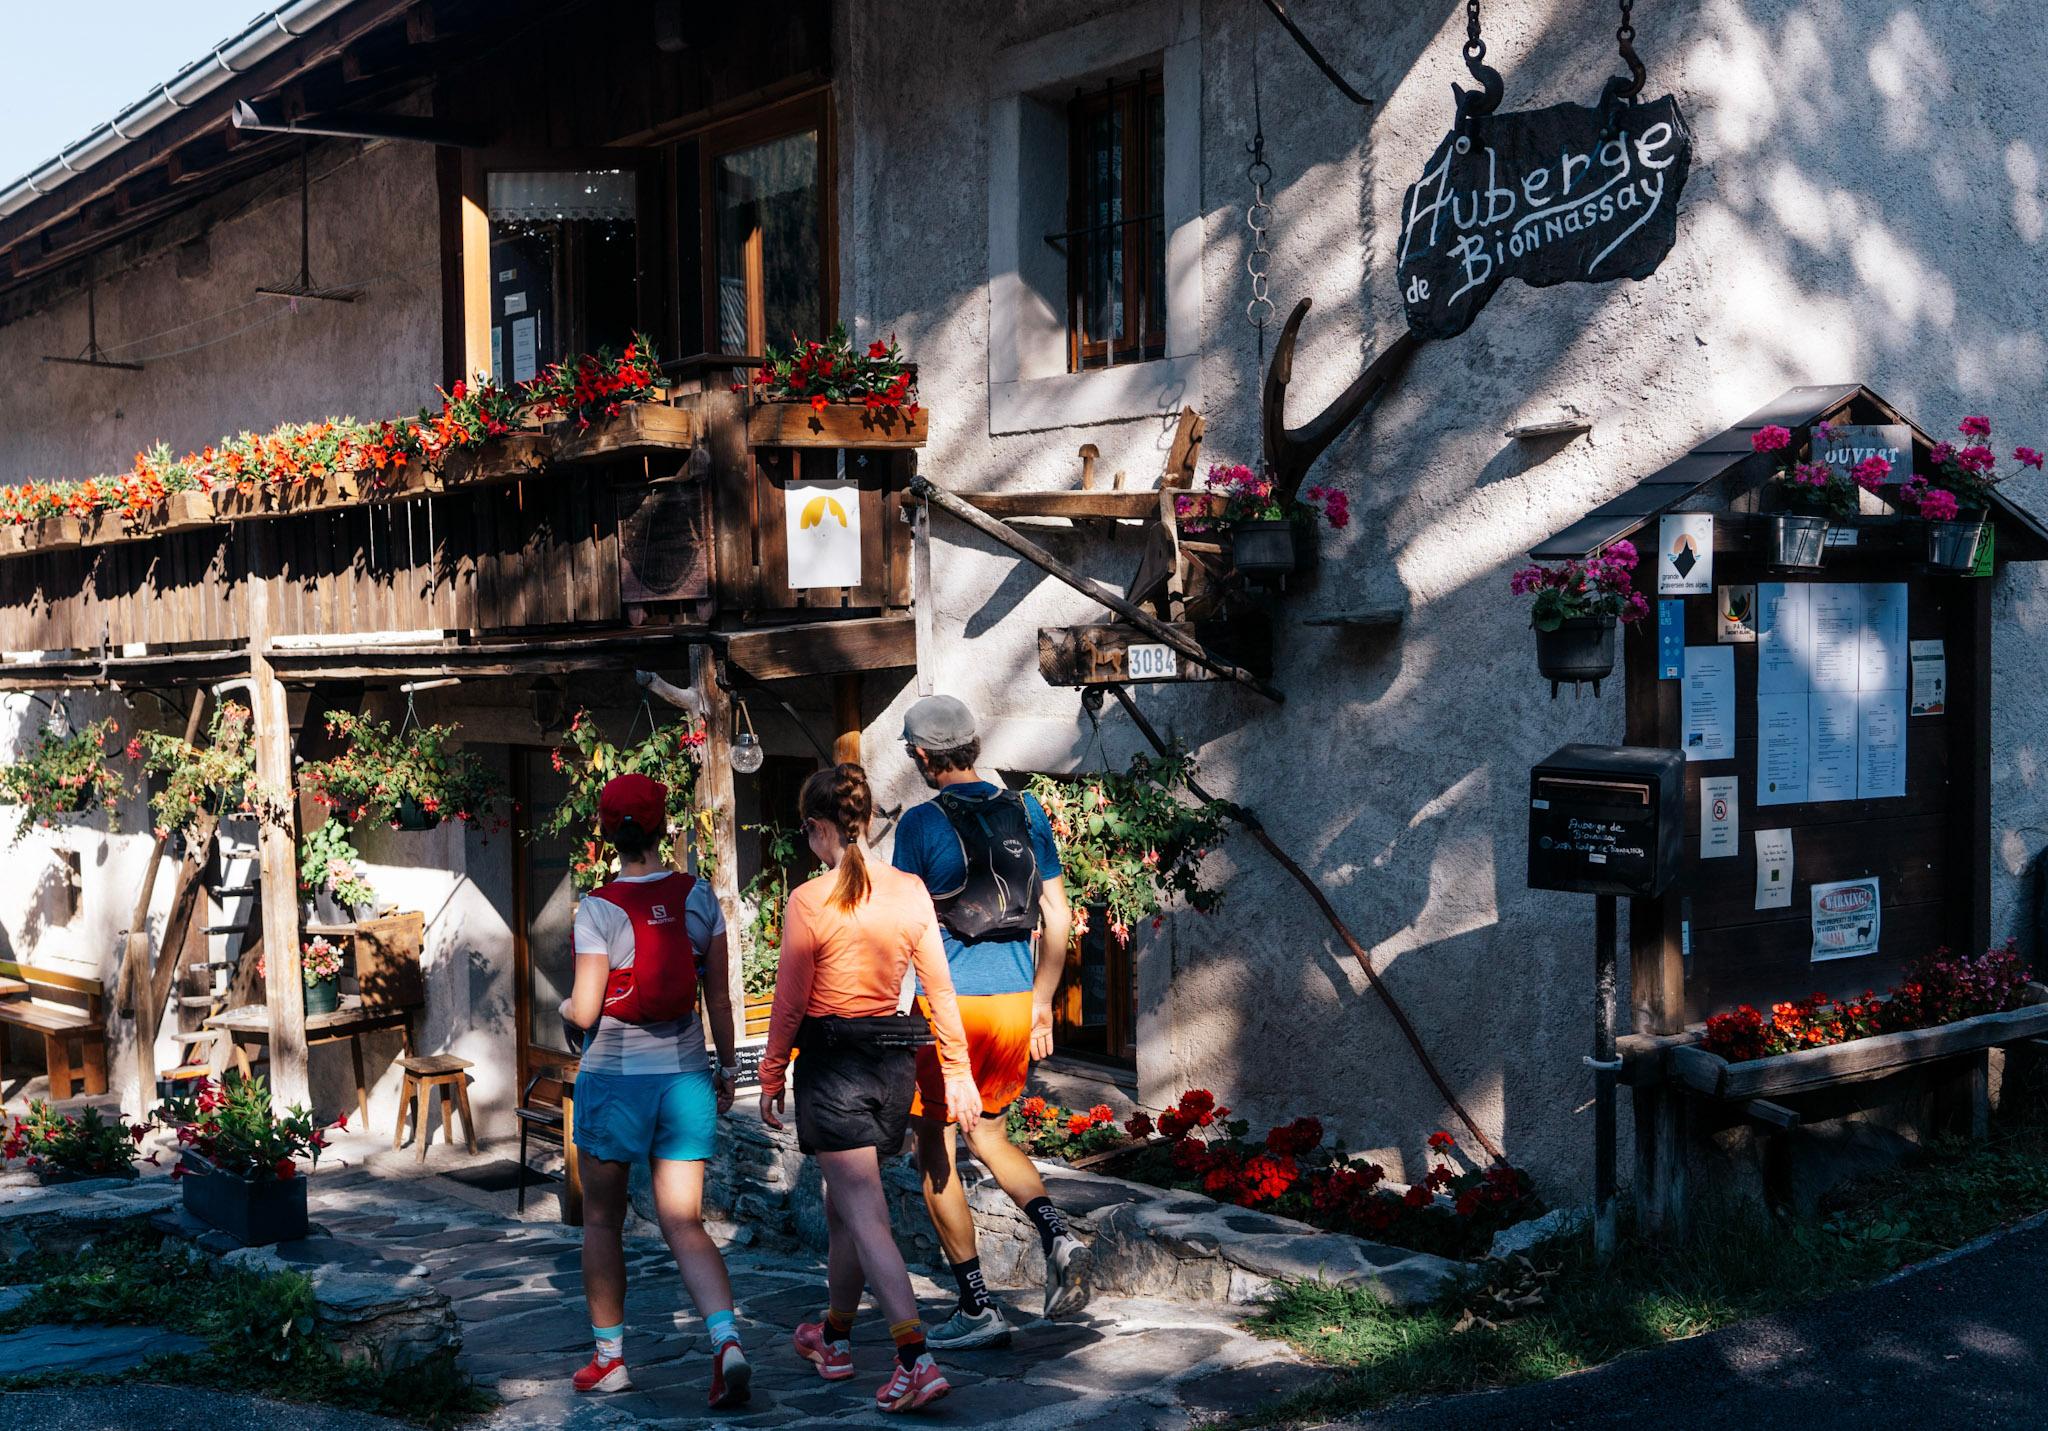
(217, 357)
(1865, 204)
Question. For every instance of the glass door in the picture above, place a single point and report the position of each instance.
(544, 900)
(765, 186)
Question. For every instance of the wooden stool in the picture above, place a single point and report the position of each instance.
(424, 1074)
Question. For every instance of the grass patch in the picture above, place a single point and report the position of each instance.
(1737, 1264)
(260, 1329)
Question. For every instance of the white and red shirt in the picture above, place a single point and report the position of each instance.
(676, 1046)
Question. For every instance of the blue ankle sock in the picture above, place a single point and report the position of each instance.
(722, 1330)
(611, 1341)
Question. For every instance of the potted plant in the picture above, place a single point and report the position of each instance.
(1267, 540)
(328, 872)
(66, 774)
(199, 780)
(831, 394)
(669, 753)
(1812, 493)
(239, 1161)
(69, 1147)
(1133, 841)
(37, 516)
(1953, 497)
(1574, 612)
(410, 778)
(320, 966)
(482, 434)
(766, 895)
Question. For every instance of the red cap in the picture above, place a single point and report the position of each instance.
(638, 798)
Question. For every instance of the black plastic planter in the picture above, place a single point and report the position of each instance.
(255, 1214)
(1268, 549)
(410, 815)
(1580, 650)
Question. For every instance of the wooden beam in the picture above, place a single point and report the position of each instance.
(925, 488)
(715, 799)
(277, 844)
(924, 601)
(823, 648)
(846, 717)
(135, 955)
(1099, 655)
(1124, 506)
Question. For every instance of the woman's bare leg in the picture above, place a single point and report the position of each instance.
(853, 1181)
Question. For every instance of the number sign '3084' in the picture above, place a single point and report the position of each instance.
(1151, 663)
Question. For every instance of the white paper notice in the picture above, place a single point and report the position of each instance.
(1784, 659)
(515, 303)
(1881, 644)
(1846, 918)
(1782, 743)
(1707, 709)
(1718, 816)
(1881, 768)
(1773, 869)
(525, 349)
(1837, 636)
(1930, 679)
(1685, 555)
(1831, 771)
(821, 523)
(497, 352)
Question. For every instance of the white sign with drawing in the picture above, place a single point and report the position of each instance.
(1719, 820)
(1685, 554)
(821, 527)
(1847, 918)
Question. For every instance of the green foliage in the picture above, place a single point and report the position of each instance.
(834, 371)
(767, 894)
(1046, 1130)
(382, 768)
(328, 861)
(199, 779)
(85, 1142)
(1131, 842)
(234, 1128)
(65, 774)
(670, 753)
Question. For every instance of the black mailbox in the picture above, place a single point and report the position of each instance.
(1605, 819)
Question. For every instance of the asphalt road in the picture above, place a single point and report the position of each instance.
(1961, 1343)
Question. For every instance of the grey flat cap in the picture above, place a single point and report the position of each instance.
(939, 723)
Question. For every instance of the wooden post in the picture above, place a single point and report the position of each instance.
(277, 847)
(846, 718)
(924, 601)
(715, 796)
(135, 962)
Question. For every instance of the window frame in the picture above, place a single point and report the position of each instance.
(1134, 99)
(803, 114)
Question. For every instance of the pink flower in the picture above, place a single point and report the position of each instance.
(1977, 459)
(1937, 505)
(1942, 452)
(1871, 472)
(2027, 457)
(1825, 431)
(1974, 427)
(1771, 439)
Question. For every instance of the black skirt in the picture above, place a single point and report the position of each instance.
(854, 1082)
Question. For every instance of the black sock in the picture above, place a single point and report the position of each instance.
(907, 1354)
(1046, 1218)
(974, 1298)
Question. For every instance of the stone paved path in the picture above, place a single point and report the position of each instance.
(515, 1284)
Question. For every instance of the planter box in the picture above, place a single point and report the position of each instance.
(256, 1214)
(641, 429)
(414, 478)
(52, 534)
(513, 457)
(385, 953)
(178, 512)
(797, 424)
(758, 1012)
(1807, 1069)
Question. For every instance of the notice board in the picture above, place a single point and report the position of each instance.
(1866, 791)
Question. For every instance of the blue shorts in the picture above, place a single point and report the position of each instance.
(629, 1117)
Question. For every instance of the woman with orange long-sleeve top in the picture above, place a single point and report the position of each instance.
(848, 939)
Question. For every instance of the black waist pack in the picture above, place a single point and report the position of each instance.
(885, 1031)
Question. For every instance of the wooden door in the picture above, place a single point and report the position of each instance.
(544, 910)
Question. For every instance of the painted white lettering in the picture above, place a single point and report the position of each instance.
(1653, 194)
(1655, 140)
(1566, 162)
(1614, 154)
(1471, 251)
(1432, 211)
(1533, 186)
(1553, 228)
(1500, 202)
(1571, 222)
(1606, 207)
(1627, 197)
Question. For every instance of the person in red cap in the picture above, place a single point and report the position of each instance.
(645, 1090)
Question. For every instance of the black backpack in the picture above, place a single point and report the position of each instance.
(999, 897)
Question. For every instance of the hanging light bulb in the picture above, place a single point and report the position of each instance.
(747, 753)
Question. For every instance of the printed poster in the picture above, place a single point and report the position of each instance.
(525, 349)
(1685, 554)
(1847, 918)
(1735, 614)
(1832, 674)
(821, 527)
(1707, 704)
(1670, 640)
(1773, 869)
(1930, 678)
(1719, 835)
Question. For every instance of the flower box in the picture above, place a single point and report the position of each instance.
(256, 1214)
(1807, 1069)
(794, 424)
(399, 482)
(511, 457)
(1265, 547)
(51, 534)
(178, 512)
(758, 1014)
(640, 429)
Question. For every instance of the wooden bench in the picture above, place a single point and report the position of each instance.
(74, 1040)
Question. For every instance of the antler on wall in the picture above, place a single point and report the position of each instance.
(1290, 452)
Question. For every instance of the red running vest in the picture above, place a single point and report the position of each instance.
(661, 982)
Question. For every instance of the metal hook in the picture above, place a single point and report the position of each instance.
(1472, 104)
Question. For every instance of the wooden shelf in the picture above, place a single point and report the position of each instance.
(1367, 618)
(1077, 504)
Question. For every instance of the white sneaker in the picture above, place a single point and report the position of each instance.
(1066, 1276)
(964, 1331)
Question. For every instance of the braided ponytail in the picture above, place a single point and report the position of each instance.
(840, 797)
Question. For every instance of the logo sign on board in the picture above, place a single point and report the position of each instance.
(1545, 195)
(1685, 554)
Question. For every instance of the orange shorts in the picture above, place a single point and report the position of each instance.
(998, 1051)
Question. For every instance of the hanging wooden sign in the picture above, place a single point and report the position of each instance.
(1558, 195)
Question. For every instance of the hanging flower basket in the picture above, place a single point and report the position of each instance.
(408, 779)
(1270, 548)
(671, 754)
(1579, 649)
(1798, 540)
(411, 815)
(1952, 546)
(1575, 610)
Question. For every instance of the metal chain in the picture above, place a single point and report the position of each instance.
(1258, 217)
(1475, 48)
(1626, 35)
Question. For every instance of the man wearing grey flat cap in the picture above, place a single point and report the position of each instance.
(988, 857)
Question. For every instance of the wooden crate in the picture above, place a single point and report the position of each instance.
(512, 457)
(792, 424)
(52, 534)
(386, 955)
(1807, 1069)
(642, 429)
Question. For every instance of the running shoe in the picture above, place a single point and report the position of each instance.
(834, 1360)
(732, 1380)
(1066, 1276)
(965, 1330)
(913, 1388)
(603, 1375)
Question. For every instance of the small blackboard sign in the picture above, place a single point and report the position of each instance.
(748, 1056)
(1544, 195)
(1842, 446)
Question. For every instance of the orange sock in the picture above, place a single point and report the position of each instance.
(838, 1324)
(909, 1338)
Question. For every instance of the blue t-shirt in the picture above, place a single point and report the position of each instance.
(927, 847)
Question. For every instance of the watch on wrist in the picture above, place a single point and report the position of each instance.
(729, 1073)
